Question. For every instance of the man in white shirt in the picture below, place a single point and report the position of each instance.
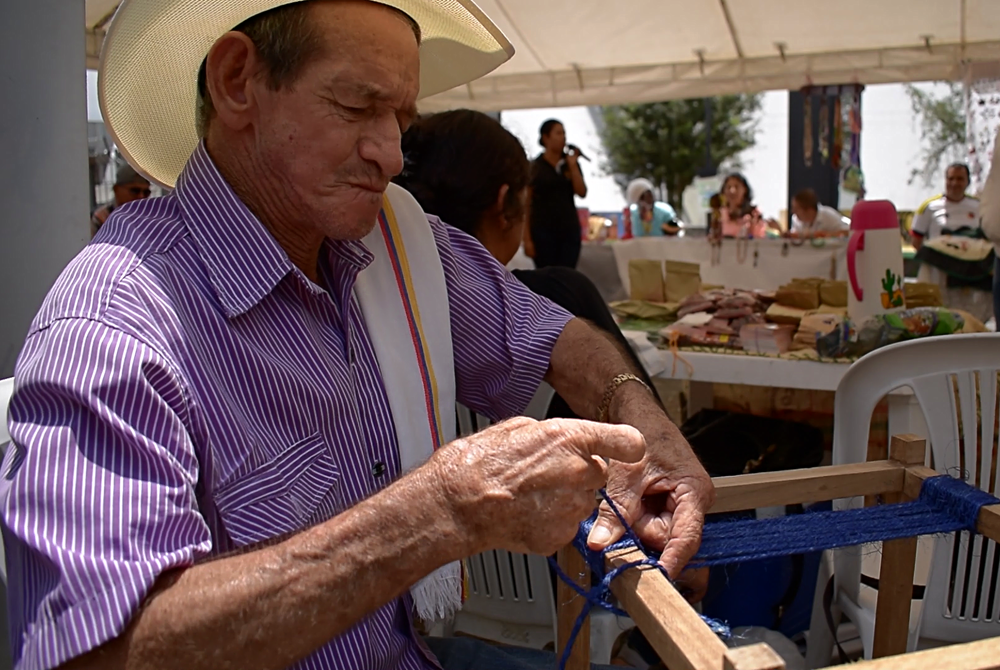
(810, 218)
(945, 214)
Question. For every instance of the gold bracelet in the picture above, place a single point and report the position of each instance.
(602, 411)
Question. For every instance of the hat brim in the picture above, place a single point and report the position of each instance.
(147, 81)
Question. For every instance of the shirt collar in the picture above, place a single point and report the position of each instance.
(243, 259)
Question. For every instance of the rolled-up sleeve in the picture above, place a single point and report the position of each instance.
(97, 496)
(502, 333)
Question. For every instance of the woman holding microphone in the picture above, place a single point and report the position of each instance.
(552, 236)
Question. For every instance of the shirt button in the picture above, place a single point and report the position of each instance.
(378, 469)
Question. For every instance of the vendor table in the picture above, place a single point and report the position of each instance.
(706, 369)
(777, 261)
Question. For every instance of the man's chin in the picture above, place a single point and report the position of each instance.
(354, 224)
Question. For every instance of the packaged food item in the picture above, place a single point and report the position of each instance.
(813, 326)
(643, 309)
(778, 313)
(682, 279)
(698, 336)
(850, 339)
(766, 338)
(922, 294)
(646, 280)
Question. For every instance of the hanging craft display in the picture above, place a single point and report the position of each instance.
(824, 129)
(982, 119)
(807, 130)
(838, 133)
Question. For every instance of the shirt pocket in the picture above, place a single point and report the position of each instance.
(281, 496)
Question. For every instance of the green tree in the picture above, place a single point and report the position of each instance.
(942, 129)
(665, 141)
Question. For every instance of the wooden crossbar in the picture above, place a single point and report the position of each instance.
(684, 642)
(791, 487)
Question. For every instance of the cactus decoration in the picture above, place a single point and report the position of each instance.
(892, 295)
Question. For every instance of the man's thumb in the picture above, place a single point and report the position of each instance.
(607, 528)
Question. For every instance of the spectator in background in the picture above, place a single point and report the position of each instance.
(948, 213)
(811, 219)
(553, 233)
(444, 170)
(740, 216)
(649, 217)
(129, 186)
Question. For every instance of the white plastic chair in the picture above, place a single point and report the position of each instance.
(511, 596)
(954, 379)
(6, 391)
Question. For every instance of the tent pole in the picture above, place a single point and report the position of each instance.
(43, 141)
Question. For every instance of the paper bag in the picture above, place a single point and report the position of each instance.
(682, 279)
(801, 296)
(646, 281)
(833, 293)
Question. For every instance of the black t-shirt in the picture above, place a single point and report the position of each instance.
(572, 291)
(554, 221)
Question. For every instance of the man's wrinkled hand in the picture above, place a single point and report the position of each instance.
(664, 498)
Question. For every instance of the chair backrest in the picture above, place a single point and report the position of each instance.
(510, 597)
(954, 379)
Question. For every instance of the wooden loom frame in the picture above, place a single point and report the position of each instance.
(684, 641)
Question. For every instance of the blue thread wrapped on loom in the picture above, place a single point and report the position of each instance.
(945, 505)
(600, 595)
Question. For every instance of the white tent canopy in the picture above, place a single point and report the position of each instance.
(585, 52)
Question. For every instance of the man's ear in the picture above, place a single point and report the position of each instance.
(229, 77)
(498, 206)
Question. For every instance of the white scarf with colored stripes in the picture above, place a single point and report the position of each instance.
(404, 301)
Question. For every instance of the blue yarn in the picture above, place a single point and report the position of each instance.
(945, 505)
(600, 595)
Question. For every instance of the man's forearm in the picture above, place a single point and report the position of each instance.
(271, 607)
(584, 362)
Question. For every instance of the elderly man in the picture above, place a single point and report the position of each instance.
(129, 186)
(231, 435)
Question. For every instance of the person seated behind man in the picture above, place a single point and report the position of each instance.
(947, 213)
(810, 218)
(129, 186)
(649, 217)
(230, 429)
(445, 172)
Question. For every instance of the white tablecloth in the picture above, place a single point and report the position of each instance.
(771, 270)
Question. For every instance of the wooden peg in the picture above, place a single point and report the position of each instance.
(753, 657)
(908, 449)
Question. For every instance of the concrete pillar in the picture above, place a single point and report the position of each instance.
(44, 218)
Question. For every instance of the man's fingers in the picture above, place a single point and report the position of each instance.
(607, 528)
(612, 441)
(685, 536)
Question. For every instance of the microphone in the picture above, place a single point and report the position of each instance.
(575, 149)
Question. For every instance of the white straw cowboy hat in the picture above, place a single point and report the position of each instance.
(149, 66)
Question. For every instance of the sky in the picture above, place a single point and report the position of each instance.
(890, 143)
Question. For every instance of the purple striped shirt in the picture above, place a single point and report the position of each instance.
(185, 390)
